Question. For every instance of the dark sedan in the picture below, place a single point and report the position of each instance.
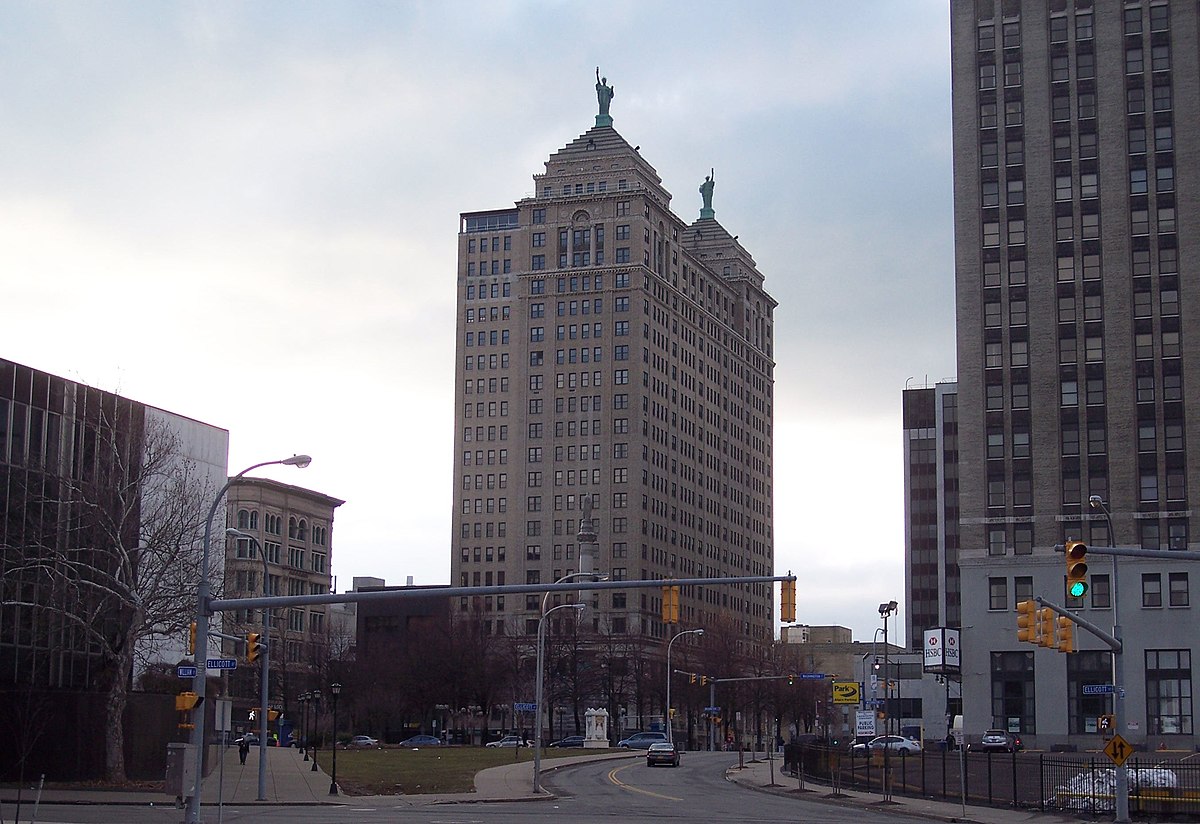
(662, 753)
(569, 741)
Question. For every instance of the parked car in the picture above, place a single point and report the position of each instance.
(662, 752)
(569, 741)
(421, 741)
(250, 738)
(999, 740)
(893, 743)
(362, 741)
(642, 740)
(508, 741)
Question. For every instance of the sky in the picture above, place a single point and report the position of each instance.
(247, 213)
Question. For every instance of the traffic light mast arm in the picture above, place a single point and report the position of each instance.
(1083, 623)
(1137, 552)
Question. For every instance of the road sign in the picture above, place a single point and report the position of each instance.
(1097, 689)
(521, 706)
(185, 672)
(812, 676)
(846, 692)
(713, 710)
(1118, 749)
(222, 663)
(864, 724)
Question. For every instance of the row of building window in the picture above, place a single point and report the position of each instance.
(1133, 23)
(1073, 493)
(1177, 594)
(298, 528)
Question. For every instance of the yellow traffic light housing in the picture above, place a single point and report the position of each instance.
(186, 701)
(1077, 584)
(1027, 627)
(670, 604)
(787, 601)
(1066, 635)
(253, 647)
(1045, 617)
(703, 680)
(191, 638)
(692, 678)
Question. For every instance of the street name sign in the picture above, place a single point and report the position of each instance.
(185, 672)
(524, 707)
(1097, 689)
(222, 663)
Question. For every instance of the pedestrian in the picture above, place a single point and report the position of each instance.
(243, 749)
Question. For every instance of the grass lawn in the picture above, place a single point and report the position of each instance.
(396, 770)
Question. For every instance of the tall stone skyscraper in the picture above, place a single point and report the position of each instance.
(1076, 175)
(609, 349)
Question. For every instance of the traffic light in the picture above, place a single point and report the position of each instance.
(253, 648)
(1066, 634)
(787, 601)
(692, 677)
(192, 638)
(670, 604)
(1045, 624)
(272, 715)
(1027, 628)
(703, 680)
(1076, 552)
(791, 680)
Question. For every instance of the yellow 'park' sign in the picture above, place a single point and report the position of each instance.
(846, 692)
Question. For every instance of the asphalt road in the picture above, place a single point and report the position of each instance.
(595, 793)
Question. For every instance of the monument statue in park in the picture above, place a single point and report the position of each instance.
(604, 94)
(706, 192)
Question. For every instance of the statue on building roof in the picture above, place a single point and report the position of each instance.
(604, 94)
(706, 192)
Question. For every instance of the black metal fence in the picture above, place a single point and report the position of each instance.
(1159, 784)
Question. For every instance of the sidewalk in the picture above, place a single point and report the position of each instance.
(290, 780)
(757, 774)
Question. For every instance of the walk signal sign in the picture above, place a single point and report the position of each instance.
(1076, 552)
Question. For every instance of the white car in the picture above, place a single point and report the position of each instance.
(362, 741)
(508, 741)
(894, 743)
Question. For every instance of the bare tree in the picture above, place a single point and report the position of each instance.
(120, 564)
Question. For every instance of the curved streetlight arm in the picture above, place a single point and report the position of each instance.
(677, 636)
(264, 687)
(537, 699)
(203, 596)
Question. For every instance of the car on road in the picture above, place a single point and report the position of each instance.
(421, 741)
(642, 740)
(662, 752)
(508, 741)
(999, 741)
(569, 741)
(250, 738)
(362, 741)
(892, 743)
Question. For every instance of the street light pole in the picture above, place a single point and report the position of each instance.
(264, 688)
(336, 689)
(537, 699)
(315, 698)
(886, 611)
(303, 699)
(1118, 669)
(678, 635)
(203, 596)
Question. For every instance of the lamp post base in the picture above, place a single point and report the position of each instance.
(333, 790)
(314, 766)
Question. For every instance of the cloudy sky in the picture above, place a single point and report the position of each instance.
(246, 213)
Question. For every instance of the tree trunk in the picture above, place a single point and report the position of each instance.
(117, 695)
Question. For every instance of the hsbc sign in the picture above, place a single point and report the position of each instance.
(942, 652)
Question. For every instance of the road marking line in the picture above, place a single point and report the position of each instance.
(612, 776)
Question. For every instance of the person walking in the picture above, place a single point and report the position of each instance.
(243, 750)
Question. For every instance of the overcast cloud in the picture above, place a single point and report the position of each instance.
(247, 213)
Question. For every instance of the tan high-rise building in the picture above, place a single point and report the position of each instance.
(607, 348)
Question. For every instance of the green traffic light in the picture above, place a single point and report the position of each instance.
(1078, 589)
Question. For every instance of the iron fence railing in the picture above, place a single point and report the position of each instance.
(1159, 784)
